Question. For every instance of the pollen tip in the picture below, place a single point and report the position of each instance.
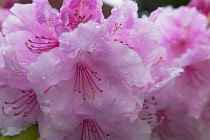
(14, 108)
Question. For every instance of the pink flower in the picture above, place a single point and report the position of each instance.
(18, 101)
(185, 39)
(140, 35)
(95, 70)
(167, 111)
(98, 59)
(23, 41)
(73, 118)
(74, 12)
(43, 23)
(202, 5)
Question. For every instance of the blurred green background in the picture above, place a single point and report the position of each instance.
(147, 6)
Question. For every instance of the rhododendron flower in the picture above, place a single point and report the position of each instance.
(175, 123)
(92, 66)
(74, 118)
(74, 12)
(94, 70)
(18, 101)
(183, 38)
(43, 24)
(174, 110)
(179, 103)
(142, 36)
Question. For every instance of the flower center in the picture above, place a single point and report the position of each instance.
(23, 105)
(163, 129)
(179, 46)
(148, 112)
(92, 131)
(41, 44)
(84, 80)
(76, 19)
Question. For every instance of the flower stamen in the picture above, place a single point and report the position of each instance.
(92, 131)
(41, 44)
(84, 76)
(76, 19)
(25, 103)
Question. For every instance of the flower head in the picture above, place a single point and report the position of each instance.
(81, 11)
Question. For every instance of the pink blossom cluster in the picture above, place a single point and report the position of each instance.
(80, 76)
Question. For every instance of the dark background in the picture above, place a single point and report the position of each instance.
(147, 6)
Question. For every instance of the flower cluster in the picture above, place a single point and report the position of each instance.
(83, 77)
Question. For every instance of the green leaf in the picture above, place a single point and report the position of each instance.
(31, 133)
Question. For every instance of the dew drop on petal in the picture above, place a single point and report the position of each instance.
(97, 26)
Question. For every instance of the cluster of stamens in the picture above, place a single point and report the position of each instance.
(92, 131)
(23, 105)
(41, 44)
(76, 19)
(148, 114)
(164, 129)
(84, 80)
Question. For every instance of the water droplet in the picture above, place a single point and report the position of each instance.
(97, 26)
